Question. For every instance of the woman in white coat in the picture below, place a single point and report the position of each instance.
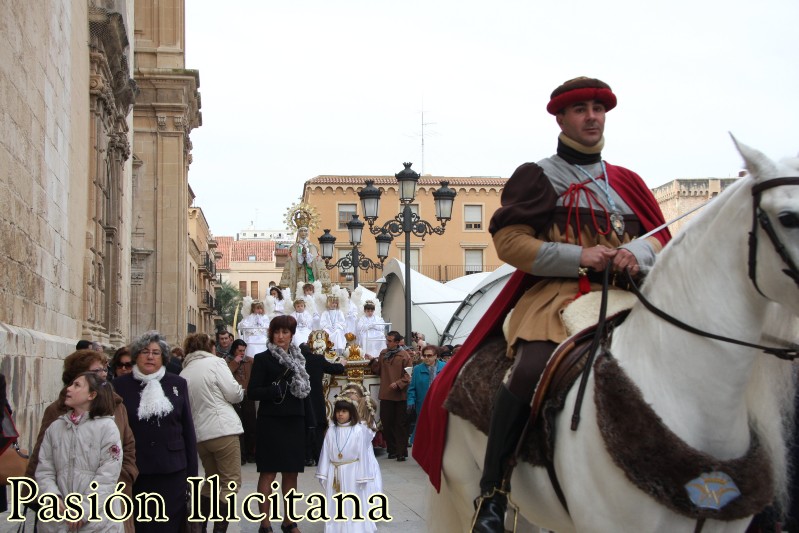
(81, 447)
(212, 391)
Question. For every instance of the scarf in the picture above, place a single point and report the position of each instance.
(300, 384)
(153, 401)
(391, 353)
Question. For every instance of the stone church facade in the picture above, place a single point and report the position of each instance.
(96, 108)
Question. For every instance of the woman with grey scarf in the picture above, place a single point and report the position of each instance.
(280, 382)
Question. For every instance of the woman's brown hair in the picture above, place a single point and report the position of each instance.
(198, 341)
(104, 403)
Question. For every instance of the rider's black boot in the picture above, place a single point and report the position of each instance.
(508, 418)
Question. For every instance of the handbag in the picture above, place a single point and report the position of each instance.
(13, 461)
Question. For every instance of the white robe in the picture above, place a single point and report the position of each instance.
(371, 335)
(353, 443)
(253, 330)
(333, 322)
(352, 321)
(304, 327)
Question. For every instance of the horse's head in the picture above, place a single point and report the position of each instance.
(774, 240)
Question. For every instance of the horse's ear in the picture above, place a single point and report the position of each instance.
(758, 165)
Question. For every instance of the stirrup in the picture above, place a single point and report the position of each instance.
(478, 502)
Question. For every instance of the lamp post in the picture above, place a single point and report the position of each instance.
(354, 259)
(406, 221)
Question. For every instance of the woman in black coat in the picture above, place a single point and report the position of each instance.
(280, 382)
(160, 417)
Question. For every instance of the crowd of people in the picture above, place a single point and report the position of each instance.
(153, 414)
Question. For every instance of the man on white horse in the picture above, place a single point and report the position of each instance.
(562, 220)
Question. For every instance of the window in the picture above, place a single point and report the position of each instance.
(473, 217)
(345, 212)
(254, 289)
(251, 257)
(474, 261)
(415, 254)
(243, 288)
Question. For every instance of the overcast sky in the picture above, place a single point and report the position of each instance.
(294, 89)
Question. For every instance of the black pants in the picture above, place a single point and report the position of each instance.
(394, 416)
(247, 415)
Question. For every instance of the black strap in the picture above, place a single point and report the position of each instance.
(761, 217)
(599, 337)
(553, 478)
(789, 354)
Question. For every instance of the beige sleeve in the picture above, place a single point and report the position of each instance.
(517, 245)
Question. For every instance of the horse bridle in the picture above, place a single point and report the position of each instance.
(761, 217)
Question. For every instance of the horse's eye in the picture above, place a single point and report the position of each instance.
(789, 220)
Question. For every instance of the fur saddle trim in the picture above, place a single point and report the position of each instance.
(659, 463)
(473, 391)
(583, 312)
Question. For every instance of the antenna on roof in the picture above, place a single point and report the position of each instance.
(423, 125)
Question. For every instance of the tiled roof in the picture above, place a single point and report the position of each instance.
(223, 245)
(241, 250)
(478, 181)
(262, 250)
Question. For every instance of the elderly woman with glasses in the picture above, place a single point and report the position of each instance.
(76, 364)
(423, 375)
(159, 414)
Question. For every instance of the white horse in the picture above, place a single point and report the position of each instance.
(709, 393)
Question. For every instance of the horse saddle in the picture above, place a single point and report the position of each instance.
(473, 390)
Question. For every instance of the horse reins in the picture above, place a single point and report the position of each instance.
(759, 217)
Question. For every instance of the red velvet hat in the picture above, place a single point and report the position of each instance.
(579, 90)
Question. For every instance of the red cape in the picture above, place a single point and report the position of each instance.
(431, 427)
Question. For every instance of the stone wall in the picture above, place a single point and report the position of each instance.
(44, 71)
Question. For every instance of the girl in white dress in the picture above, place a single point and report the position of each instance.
(308, 290)
(371, 331)
(279, 301)
(334, 323)
(344, 468)
(253, 329)
(304, 322)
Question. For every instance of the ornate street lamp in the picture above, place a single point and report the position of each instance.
(406, 222)
(355, 259)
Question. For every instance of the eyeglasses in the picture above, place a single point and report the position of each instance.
(124, 365)
(99, 370)
(428, 355)
(154, 353)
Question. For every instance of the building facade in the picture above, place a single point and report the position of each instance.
(202, 277)
(681, 195)
(166, 111)
(465, 247)
(250, 264)
(65, 189)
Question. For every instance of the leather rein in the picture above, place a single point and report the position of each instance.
(761, 218)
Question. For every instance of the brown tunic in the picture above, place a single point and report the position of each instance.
(532, 214)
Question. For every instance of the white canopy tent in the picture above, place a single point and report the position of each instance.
(474, 306)
(432, 303)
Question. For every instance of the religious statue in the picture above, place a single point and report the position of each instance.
(304, 264)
